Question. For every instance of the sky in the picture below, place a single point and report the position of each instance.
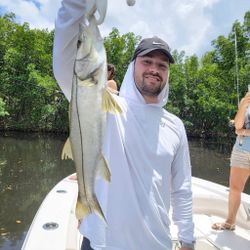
(188, 25)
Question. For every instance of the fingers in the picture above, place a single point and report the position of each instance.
(240, 131)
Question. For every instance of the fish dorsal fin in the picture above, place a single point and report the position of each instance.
(109, 103)
(103, 169)
(67, 152)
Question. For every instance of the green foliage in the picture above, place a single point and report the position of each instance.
(28, 85)
(3, 112)
(120, 49)
(202, 92)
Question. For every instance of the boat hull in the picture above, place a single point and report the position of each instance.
(55, 226)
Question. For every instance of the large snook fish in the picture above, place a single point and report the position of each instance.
(89, 101)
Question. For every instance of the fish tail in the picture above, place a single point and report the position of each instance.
(82, 210)
(97, 208)
(109, 103)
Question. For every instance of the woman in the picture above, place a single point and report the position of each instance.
(240, 163)
(111, 82)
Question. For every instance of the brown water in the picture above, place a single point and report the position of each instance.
(30, 166)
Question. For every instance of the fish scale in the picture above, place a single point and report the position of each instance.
(89, 98)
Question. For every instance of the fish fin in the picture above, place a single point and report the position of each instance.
(113, 91)
(104, 169)
(98, 210)
(81, 210)
(67, 152)
(109, 103)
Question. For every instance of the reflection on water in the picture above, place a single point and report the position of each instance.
(30, 166)
(211, 161)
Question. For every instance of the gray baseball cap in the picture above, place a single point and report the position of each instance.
(150, 44)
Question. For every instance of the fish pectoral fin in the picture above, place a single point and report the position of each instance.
(113, 91)
(67, 152)
(103, 169)
(109, 103)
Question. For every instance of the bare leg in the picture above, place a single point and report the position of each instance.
(238, 178)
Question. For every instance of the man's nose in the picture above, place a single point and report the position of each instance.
(154, 68)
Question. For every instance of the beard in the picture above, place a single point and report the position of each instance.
(147, 89)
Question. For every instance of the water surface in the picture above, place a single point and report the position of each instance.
(30, 166)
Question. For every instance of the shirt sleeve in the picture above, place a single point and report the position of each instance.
(181, 193)
(70, 15)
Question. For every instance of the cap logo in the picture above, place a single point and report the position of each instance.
(155, 43)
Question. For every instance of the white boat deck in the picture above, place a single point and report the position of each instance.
(55, 226)
(209, 239)
(210, 204)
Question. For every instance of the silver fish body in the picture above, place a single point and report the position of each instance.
(87, 120)
(90, 100)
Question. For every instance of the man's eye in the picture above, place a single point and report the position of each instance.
(147, 62)
(163, 66)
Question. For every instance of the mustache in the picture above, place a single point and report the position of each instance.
(153, 74)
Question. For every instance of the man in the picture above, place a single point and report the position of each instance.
(146, 148)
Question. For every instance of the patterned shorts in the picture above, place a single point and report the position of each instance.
(240, 158)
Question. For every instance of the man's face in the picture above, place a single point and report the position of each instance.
(151, 73)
